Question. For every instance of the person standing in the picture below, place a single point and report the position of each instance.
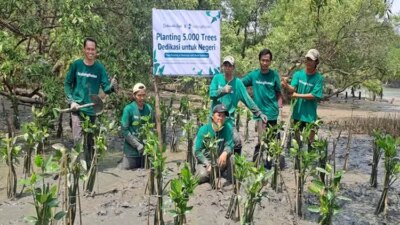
(228, 90)
(266, 85)
(85, 77)
(130, 124)
(307, 88)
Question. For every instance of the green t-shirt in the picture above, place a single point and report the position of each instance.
(82, 81)
(130, 115)
(306, 110)
(225, 145)
(230, 100)
(265, 89)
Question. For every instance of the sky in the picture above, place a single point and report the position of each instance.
(396, 7)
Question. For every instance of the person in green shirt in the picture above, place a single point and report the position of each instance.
(130, 125)
(267, 95)
(84, 78)
(227, 89)
(217, 128)
(307, 88)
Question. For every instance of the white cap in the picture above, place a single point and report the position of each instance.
(229, 59)
(138, 86)
(313, 54)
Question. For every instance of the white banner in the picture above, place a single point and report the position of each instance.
(186, 42)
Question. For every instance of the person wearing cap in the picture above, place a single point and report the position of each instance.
(130, 125)
(85, 77)
(216, 128)
(307, 87)
(266, 85)
(227, 89)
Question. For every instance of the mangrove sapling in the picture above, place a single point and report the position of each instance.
(71, 170)
(202, 116)
(377, 152)
(351, 125)
(306, 160)
(276, 151)
(166, 111)
(157, 159)
(249, 115)
(189, 130)
(9, 151)
(100, 131)
(390, 146)
(181, 188)
(241, 171)
(176, 123)
(212, 149)
(239, 112)
(255, 181)
(321, 146)
(328, 195)
(44, 195)
(34, 137)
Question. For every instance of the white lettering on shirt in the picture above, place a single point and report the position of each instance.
(305, 83)
(264, 82)
(87, 75)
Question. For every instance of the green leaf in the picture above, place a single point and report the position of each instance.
(314, 208)
(38, 160)
(60, 215)
(344, 198)
(31, 219)
(322, 170)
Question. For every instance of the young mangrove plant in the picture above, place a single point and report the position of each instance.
(377, 153)
(305, 160)
(181, 188)
(327, 192)
(390, 146)
(176, 123)
(239, 112)
(34, 137)
(188, 132)
(166, 110)
(211, 149)
(71, 170)
(157, 159)
(321, 146)
(241, 170)
(9, 152)
(44, 195)
(253, 184)
(276, 152)
(249, 115)
(99, 130)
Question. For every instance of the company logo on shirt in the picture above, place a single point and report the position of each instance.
(305, 83)
(264, 82)
(87, 75)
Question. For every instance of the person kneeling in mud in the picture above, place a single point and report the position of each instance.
(218, 129)
(130, 124)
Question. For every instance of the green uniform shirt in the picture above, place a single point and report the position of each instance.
(225, 145)
(83, 81)
(265, 89)
(230, 100)
(130, 115)
(306, 110)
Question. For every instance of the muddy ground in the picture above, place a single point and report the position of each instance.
(120, 197)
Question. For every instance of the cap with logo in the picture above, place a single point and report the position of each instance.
(313, 54)
(229, 59)
(137, 87)
(220, 108)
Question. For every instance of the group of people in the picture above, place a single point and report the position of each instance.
(86, 76)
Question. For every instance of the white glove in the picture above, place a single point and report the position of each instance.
(227, 89)
(114, 83)
(74, 106)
